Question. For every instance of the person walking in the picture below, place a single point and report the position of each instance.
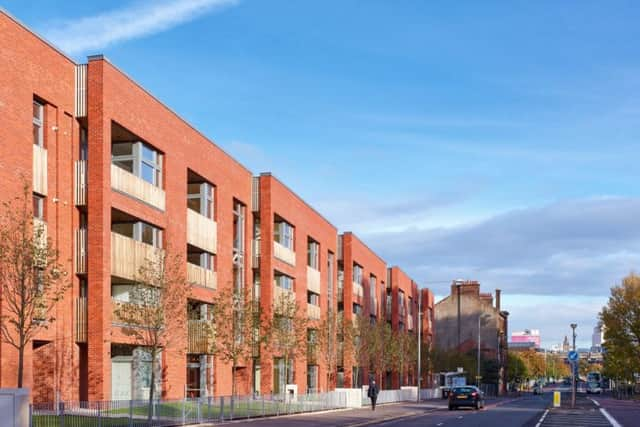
(373, 394)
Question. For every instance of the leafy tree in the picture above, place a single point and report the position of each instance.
(31, 279)
(357, 342)
(156, 310)
(517, 369)
(381, 349)
(231, 329)
(621, 321)
(286, 330)
(327, 336)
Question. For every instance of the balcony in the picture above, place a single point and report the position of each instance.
(358, 290)
(128, 255)
(340, 354)
(199, 276)
(312, 354)
(39, 170)
(81, 319)
(340, 294)
(313, 280)
(313, 312)
(202, 232)
(127, 183)
(40, 231)
(279, 293)
(200, 337)
(81, 251)
(80, 190)
(255, 253)
(410, 323)
(284, 254)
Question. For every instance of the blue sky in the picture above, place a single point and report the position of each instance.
(495, 141)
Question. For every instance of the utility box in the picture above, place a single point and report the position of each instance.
(556, 399)
(14, 407)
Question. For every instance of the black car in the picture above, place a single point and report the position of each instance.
(466, 396)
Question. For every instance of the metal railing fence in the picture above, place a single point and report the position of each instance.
(167, 413)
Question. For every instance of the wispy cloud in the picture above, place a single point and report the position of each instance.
(133, 21)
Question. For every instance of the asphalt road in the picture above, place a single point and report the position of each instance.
(522, 412)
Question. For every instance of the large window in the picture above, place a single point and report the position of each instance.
(283, 281)
(357, 274)
(205, 260)
(38, 207)
(38, 124)
(313, 298)
(200, 198)
(283, 233)
(313, 254)
(140, 231)
(357, 309)
(140, 159)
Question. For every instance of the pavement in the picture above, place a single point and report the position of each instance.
(625, 412)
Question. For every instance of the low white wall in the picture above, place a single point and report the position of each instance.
(430, 393)
(410, 393)
(14, 407)
(352, 396)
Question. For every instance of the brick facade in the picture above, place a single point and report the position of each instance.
(64, 363)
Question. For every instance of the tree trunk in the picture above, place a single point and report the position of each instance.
(20, 365)
(152, 387)
(234, 385)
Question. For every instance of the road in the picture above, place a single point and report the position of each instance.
(525, 411)
(522, 412)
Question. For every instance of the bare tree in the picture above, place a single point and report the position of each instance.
(31, 279)
(232, 327)
(156, 312)
(381, 348)
(357, 337)
(286, 331)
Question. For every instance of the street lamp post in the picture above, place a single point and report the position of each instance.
(419, 342)
(479, 337)
(573, 370)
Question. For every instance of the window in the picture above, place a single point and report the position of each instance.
(283, 233)
(38, 124)
(357, 274)
(410, 306)
(283, 281)
(140, 231)
(313, 254)
(373, 284)
(200, 198)
(205, 260)
(38, 207)
(238, 228)
(313, 298)
(84, 144)
(140, 159)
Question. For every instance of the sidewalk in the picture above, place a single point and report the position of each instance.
(345, 417)
(625, 412)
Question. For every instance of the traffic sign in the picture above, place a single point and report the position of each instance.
(572, 356)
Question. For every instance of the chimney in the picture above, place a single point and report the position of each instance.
(498, 292)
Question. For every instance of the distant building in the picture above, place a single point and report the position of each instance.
(526, 336)
(522, 346)
(456, 324)
(597, 339)
(565, 345)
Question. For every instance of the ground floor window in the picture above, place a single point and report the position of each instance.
(312, 379)
(199, 375)
(131, 373)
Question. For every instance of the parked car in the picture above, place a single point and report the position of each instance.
(594, 387)
(466, 396)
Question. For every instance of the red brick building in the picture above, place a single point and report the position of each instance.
(117, 176)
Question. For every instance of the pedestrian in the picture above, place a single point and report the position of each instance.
(373, 394)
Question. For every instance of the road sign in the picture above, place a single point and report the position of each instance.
(572, 356)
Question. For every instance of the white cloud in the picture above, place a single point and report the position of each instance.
(133, 21)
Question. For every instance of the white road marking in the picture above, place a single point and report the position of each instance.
(609, 418)
(441, 424)
(594, 401)
(542, 418)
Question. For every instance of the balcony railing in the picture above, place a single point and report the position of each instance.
(81, 251)
(255, 253)
(202, 232)
(80, 191)
(313, 312)
(313, 280)
(358, 290)
(284, 254)
(81, 319)
(279, 293)
(312, 353)
(340, 354)
(199, 276)
(40, 170)
(128, 183)
(200, 337)
(128, 255)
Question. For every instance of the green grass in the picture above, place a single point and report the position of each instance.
(78, 421)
